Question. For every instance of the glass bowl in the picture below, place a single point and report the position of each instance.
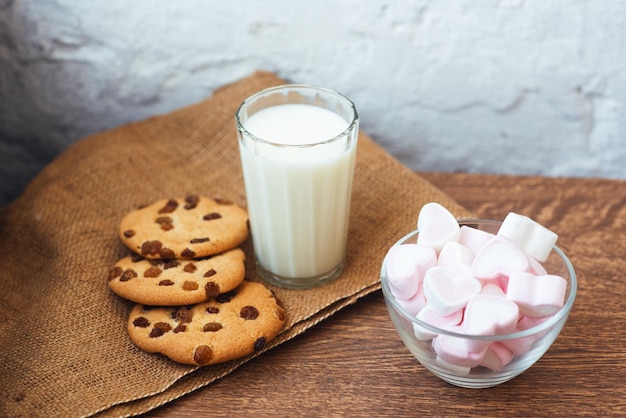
(539, 338)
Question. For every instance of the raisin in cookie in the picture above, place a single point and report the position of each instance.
(177, 282)
(230, 326)
(192, 227)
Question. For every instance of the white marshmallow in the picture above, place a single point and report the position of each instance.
(499, 257)
(436, 226)
(531, 237)
(473, 238)
(405, 267)
(446, 292)
(456, 351)
(414, 305)
(497, 356)
(537, 296)
(431, 317)
(452, 254)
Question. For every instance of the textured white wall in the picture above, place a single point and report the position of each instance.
(520, 87)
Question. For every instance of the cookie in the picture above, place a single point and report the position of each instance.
(230, 326)
(177, 282)
(187, 228)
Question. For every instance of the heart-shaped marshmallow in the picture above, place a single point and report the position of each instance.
(521, 345)
(457, 350)
(405, 268)
(436, 226)
(453, 254)
(492, 289)
(499, 257)
(537, 296)
(536, 267)
(457, 370)
(473, 238)
(414, 305)
(456, 258)
(489, 315)
(431, 317)
(446, 292)
(533, 238)
(497, 356)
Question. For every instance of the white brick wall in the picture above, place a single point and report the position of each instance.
(520, 87)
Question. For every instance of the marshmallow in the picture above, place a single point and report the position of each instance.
(431, 317)
(436, 226)
(456, 258)
(473, 238)
(499, 257)
(534, 239)
(458, 370)
(453, 254)
(456, 350)
(492, 289)
(415, 304)
(497, 356)
(521, 345)
(536, 267)
(500, 281)
(446, 292)
(489, 315)
(537, 296)
(405, 268)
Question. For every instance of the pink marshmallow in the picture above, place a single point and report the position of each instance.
(405, 268)
(431, 317)
(537, 296)
(436, 226)
(457, 370)
(414, 305)
(534, 239)
(521, 345)
(536, 267)
(456, 350)
(489, 315)
(453, 254)
(456, 258)
(446, 292)
(492, 289)
(501, 282)
(499, 257)
(473, 238)
(497, 356)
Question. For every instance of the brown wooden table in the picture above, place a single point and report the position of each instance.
(354, 364)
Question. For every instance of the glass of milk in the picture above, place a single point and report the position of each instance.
(298, 146)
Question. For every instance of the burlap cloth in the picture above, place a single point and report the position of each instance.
(63, 342)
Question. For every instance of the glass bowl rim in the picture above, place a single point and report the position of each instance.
(547, 324)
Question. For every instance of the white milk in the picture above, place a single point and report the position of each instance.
(298, 198)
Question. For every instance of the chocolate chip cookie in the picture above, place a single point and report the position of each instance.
(184, 228)
(229, 326)
(177, 282)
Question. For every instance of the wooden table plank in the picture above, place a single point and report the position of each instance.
(354, 364)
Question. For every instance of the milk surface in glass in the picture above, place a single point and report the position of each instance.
(298, 197)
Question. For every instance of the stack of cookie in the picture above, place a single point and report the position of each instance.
(186, 276)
